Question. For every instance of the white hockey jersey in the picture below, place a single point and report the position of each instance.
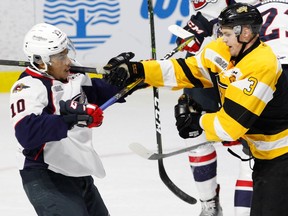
(275, 27)
(44, 139)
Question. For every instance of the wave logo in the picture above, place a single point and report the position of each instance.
(91, 20)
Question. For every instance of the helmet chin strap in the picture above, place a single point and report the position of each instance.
(243, 43)
(42, 70)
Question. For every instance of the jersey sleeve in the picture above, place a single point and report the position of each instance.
(178, 73)
(34, 125)
(100, 91)
(245, 99)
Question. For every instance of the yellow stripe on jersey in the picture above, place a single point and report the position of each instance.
(221, 129)
(156, 73)
(251, 91)
(250, 102)
(268, 146)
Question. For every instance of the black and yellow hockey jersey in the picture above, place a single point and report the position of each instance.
(254, 94)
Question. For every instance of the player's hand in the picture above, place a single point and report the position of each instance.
(82, 115)
(121, 71)
(200, 27)
(187, 113)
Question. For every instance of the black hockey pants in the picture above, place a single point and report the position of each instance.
(58, 195)
(270, 187)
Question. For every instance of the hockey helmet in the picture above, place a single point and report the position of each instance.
(239, 14)
(44, 40)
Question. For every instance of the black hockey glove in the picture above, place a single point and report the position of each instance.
(121, 71)
(82, 115)
(200, 27)
(187, 113)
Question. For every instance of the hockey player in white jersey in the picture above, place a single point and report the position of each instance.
(203, 160)
(52, 112)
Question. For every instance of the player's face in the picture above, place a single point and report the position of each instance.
(230, 38)
(60, 65)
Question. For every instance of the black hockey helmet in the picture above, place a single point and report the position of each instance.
(239, 14)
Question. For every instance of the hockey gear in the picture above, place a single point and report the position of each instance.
(162, 172)
(122, 72)
(134, 85)
(200, 27)
(179, 31)
(238, 14)
(82, 115)
(120, 94)
(212, 207)
(147, 154)
(43, 41)
(73, 68)
(115, 62)
(231, 143)
(187, 121)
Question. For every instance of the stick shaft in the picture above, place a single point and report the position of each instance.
(74, 69)
(162, 172)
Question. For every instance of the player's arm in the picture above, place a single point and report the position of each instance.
(245, 100)
(173, 73)
(33, 125)
(201, 28)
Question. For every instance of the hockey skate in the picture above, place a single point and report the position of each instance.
(212, 206)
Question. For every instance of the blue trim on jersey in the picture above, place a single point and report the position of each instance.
(34, 131)
(100, 92)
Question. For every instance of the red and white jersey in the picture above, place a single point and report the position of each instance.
(274, 31)
(211, 9)
(44, 141)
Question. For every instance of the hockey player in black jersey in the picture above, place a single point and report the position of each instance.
(253, 92)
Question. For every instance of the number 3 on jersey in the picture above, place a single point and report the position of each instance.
(253, 83)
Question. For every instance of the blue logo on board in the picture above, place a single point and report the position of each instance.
(165, 8)
(91, 20)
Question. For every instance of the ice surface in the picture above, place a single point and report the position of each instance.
(132, 186)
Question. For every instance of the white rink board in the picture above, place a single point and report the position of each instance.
(131, 33)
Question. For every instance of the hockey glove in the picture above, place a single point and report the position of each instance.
(82, 115)
(121, 71)
(200, 27)
(187, 113)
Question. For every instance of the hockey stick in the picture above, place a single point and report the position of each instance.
(179, 31)
(73, 69)
(147, 154)
(162, 172)
(134, 84)
(120, 94)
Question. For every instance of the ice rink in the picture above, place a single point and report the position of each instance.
(132, 186)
